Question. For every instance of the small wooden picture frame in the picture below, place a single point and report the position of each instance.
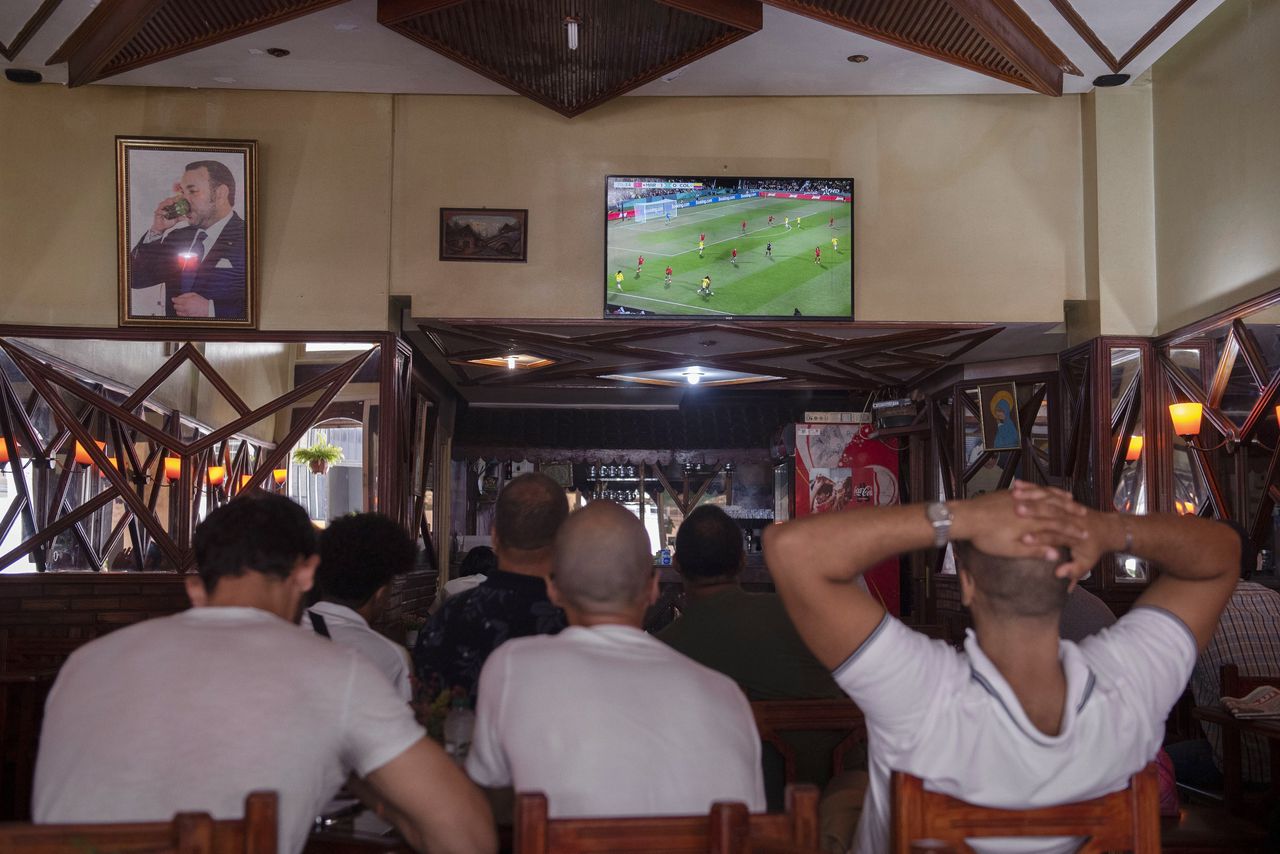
(484, 234)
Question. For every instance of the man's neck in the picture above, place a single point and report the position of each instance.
(536, 569)
(707, 589)
(1025, 651)
(254, 590)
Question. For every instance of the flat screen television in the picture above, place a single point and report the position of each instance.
(736, 247)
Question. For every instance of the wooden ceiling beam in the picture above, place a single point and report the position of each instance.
(1012, 31)
(742, 14)
(101, 36)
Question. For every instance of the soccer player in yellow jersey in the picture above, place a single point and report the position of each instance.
(786, 222)
(701, 245)
(618, 277)
(835, 244)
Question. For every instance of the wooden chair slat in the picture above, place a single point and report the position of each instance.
(186, 833)
(728, 829)
(1127, 820)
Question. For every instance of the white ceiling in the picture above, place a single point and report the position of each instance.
(344, 49)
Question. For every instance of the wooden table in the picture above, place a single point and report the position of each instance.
(1232, 730)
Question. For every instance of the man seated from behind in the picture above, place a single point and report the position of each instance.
(193, 711)
(1019, 719)
(360, 555)
(603, 718)
(1248, 636)
(474, 570)
(748, 637)
(511, 603)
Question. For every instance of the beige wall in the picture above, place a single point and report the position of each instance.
(324, 199)
(1217, 161)
(968, 208)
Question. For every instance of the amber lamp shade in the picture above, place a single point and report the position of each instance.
(281, 474)
(4, 452)
(217, 474)
(1135, 448)
(1186, 418)
(82, 454)
(172, 468)
(244, 480)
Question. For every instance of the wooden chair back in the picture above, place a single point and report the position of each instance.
(1236, 685)
(187, 833)
(774, 717)
(1127, 820)
(729, 829)
(22, 698)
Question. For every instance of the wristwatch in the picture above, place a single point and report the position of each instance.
(940, 517)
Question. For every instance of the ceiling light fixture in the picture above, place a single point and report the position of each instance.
(693, 374)
(571, 25)
(511, 361)
(859, 58)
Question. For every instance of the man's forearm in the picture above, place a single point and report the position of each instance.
(1184, 547)
(841, 546)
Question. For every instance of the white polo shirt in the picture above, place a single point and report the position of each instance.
(192, 712)
(951, 719)
(610, 721)
(348, 628)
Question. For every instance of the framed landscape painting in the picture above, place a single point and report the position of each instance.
(484, 234)
(186, 212)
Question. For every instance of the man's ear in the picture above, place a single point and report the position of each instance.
(195, 591)
(303, 575)
(653, 587)
(553, 593)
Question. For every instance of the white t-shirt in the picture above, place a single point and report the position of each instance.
(610, 721)
(192, 712)
(348, 628)
(952, 720)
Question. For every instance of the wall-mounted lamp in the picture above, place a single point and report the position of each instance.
(1135, 448)
(279, 475)
(82, 453)
(693, 374)
(1186, 418)
(172, 468)
(217, 474)
(244, 480)
(4, 453)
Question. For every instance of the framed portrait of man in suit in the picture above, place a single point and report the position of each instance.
(186, 212)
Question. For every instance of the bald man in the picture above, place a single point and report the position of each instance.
(604, 718)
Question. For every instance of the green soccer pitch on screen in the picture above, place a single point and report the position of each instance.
(728, 247)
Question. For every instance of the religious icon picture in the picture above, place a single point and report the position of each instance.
(186, 212)
(998, 412)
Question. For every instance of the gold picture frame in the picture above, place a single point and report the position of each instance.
(187, 226)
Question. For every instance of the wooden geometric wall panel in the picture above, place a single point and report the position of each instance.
(525, 46)
(62, 429)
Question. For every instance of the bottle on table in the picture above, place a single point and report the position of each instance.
(458, 727)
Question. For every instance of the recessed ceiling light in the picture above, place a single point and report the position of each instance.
(22, 75)
(1111, 80)
(278, 52)
(859, 57)
(346, 28)
(224, 80)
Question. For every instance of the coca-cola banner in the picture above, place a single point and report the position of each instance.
(839, 466)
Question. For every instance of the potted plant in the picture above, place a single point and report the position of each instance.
(319, 456)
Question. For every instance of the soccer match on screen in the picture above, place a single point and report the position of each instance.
(745, 247)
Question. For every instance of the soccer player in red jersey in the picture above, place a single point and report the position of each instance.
(744, 226)
(770, 219)
(733, 258)
(639, 265)
(817, 255)
(831, 223)
(667, 282)
(702, 238)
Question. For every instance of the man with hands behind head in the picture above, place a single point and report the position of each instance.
(1020, 719)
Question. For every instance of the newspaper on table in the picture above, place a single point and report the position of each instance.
(1261, 702)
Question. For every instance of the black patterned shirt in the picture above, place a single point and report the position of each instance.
(453, 646)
